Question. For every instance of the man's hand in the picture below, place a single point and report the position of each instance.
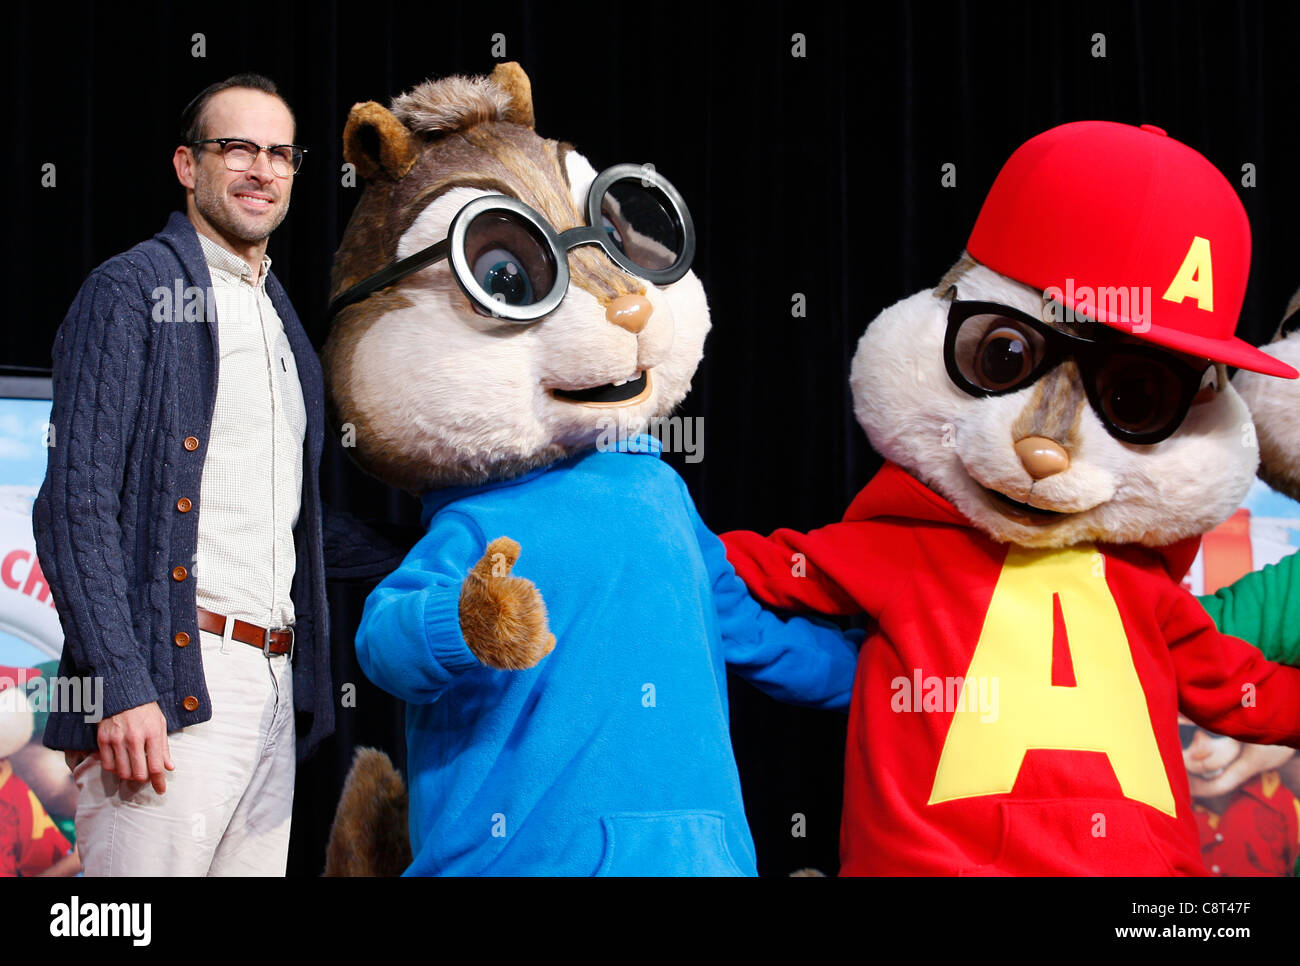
(133, 744)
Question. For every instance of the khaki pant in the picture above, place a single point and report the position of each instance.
(229, 802)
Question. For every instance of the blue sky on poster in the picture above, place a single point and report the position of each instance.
(1266, 503)
(22, 441)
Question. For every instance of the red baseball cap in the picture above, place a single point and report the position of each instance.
(1102, 214)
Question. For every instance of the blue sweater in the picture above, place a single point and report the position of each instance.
(613, 755)
(128, 392)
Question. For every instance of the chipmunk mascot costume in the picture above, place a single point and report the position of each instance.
(1059, 430)
(1264, 606)
(504, 319)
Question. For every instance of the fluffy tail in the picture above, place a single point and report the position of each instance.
(369, 836)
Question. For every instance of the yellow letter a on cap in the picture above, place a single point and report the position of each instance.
(1195, 277)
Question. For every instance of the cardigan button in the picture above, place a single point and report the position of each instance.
(191, 703)
(184, 504)
(191, 443)
(179, 573)
(182, 639)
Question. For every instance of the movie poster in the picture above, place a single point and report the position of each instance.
(37, 795)
(1246, 797)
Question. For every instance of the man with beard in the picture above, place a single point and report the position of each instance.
(179, 523)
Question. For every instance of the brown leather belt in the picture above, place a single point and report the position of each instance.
(262, 638)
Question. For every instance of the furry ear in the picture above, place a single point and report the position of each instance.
(510, 77)
(378, 143)
(1292, 308)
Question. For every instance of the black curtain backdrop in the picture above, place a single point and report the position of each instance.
(817, 174)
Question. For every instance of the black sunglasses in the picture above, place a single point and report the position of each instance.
(512, 264)
(1140, 393)
(1187, 734)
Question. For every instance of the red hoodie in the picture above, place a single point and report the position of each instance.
(1015, 711)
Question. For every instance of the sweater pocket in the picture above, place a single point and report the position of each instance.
(1081, 837)
(666, 843)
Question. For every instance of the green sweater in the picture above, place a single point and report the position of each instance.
(1263, 608)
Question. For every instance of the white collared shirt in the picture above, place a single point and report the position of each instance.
(252, 476)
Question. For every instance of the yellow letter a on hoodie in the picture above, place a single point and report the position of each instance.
(1105, 711)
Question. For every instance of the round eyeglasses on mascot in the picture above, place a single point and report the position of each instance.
(504, 318)
(1059, 430)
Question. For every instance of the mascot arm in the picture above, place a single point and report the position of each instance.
(1228, 686)
(796, 660)
(451, 606)
(1263, 607)
(837, 569)
(99, 353)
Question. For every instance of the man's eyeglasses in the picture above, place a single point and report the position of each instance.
(1140, 393)
(510, 262)
(240, 155)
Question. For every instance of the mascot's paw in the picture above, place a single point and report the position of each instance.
(369, 835)
(503, 618)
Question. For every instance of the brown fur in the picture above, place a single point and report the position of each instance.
(451, 104)
(397, 147)
(482, 143)
(963, 265)
(1054, 408)
(510, 77)
(495, 154)
(503, 618)
(1279, 481)
(369, 835)
(498, 157)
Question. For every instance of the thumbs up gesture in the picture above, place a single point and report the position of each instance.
(503, 618)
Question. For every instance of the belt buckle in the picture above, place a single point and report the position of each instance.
(266, 641)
